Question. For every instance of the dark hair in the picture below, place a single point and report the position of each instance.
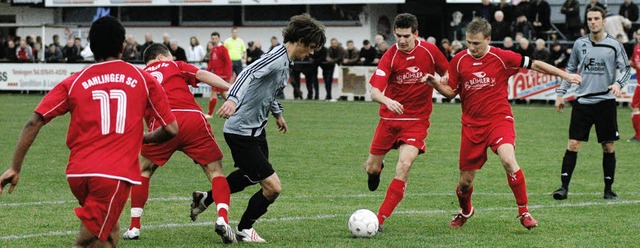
(153, 50)
(406, 20)
(215, 34)
(365, 42)
(479, 25)
(305, 29)
(107, 38)
(250, 44)
(598, 9)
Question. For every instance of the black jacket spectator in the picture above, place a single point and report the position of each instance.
(571, 10)
(53, 54)
(508, 9)
(500, 29)
(540, 17)
(367, 53)
(253, 52)
(10, 51)
(70, 52)
(629, 10)
(486, 10)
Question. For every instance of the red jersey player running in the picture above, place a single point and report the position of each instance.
(195, 139)
(480, 75)
(635, 102)
(107, 102)
(405, 107)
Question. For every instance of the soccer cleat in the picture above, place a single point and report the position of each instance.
(633, 139)
(609, 195)
(197, 204)
(380, 228)
(459, 219)
(560, 194)
(225, 231)
(131, 234)
(250, 236)
(374, 180)
(207, 116)
(528, 221)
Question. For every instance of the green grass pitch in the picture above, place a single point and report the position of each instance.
(320, 164)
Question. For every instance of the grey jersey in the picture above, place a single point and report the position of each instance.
(254, 93)
(596, 63)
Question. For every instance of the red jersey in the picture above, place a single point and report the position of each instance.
(483, 83)
(220, 62)
(635, 58)
(175, 77)
(398, 76)
(107, 102)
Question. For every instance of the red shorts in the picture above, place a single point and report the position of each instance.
(390, 134)
(195, 139)
(475, 140)
(635, 102)
(102, 201)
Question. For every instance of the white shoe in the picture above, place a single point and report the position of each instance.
(249, 235)
(207, 116)
(197, 204)
(131, 234)
(225, 231)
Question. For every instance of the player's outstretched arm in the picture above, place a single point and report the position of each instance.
(227, 109)
(211, 79)
(28, 135)
(282, 125)
(545, 68)
(161, 134)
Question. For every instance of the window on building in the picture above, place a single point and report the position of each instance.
(270, 14)
(207, 15)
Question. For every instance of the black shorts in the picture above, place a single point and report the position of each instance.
(251, 155)
(603, 115)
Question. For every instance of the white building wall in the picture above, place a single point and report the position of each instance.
(28, 16)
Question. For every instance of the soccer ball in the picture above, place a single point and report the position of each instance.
(363, 223)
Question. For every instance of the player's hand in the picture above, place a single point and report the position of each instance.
(227, 109)
(444, 80)
(615, 90)
(9, 177)
(559, 103)
(282, 125)
(430, 80)
(395, 106)
(574, 79)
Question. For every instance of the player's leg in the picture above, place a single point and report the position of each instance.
(579, 128)
(85, 238)
(607, 132)
(213, 100)
(373, 166)
(257, 207)
(395, 192)
(517, 183)
(383, 141)
(139, 197)
(221, 193)
(635, 121)
(472, 157)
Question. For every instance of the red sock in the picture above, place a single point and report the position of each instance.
(221, 196)
(139, 196)
(635, 119)
(464, 200)
(212, 104)
(395, 193)
(519, 188)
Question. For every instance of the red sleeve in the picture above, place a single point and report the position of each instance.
(227, 62)
(380, 78)
(454, 74)
(189, 72)
(55, 103)
(514, 60)
(158, 104)
(441, 62)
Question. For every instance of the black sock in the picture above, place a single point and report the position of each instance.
(609, 168)
(257, 207)
(237, 182)
(568, 165)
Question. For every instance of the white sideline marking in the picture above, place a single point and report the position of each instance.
(326, 216)
(163, 199)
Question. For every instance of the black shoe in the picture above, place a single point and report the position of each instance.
(380, 228)
(560, 194)
(609, 195)
(374, 180)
